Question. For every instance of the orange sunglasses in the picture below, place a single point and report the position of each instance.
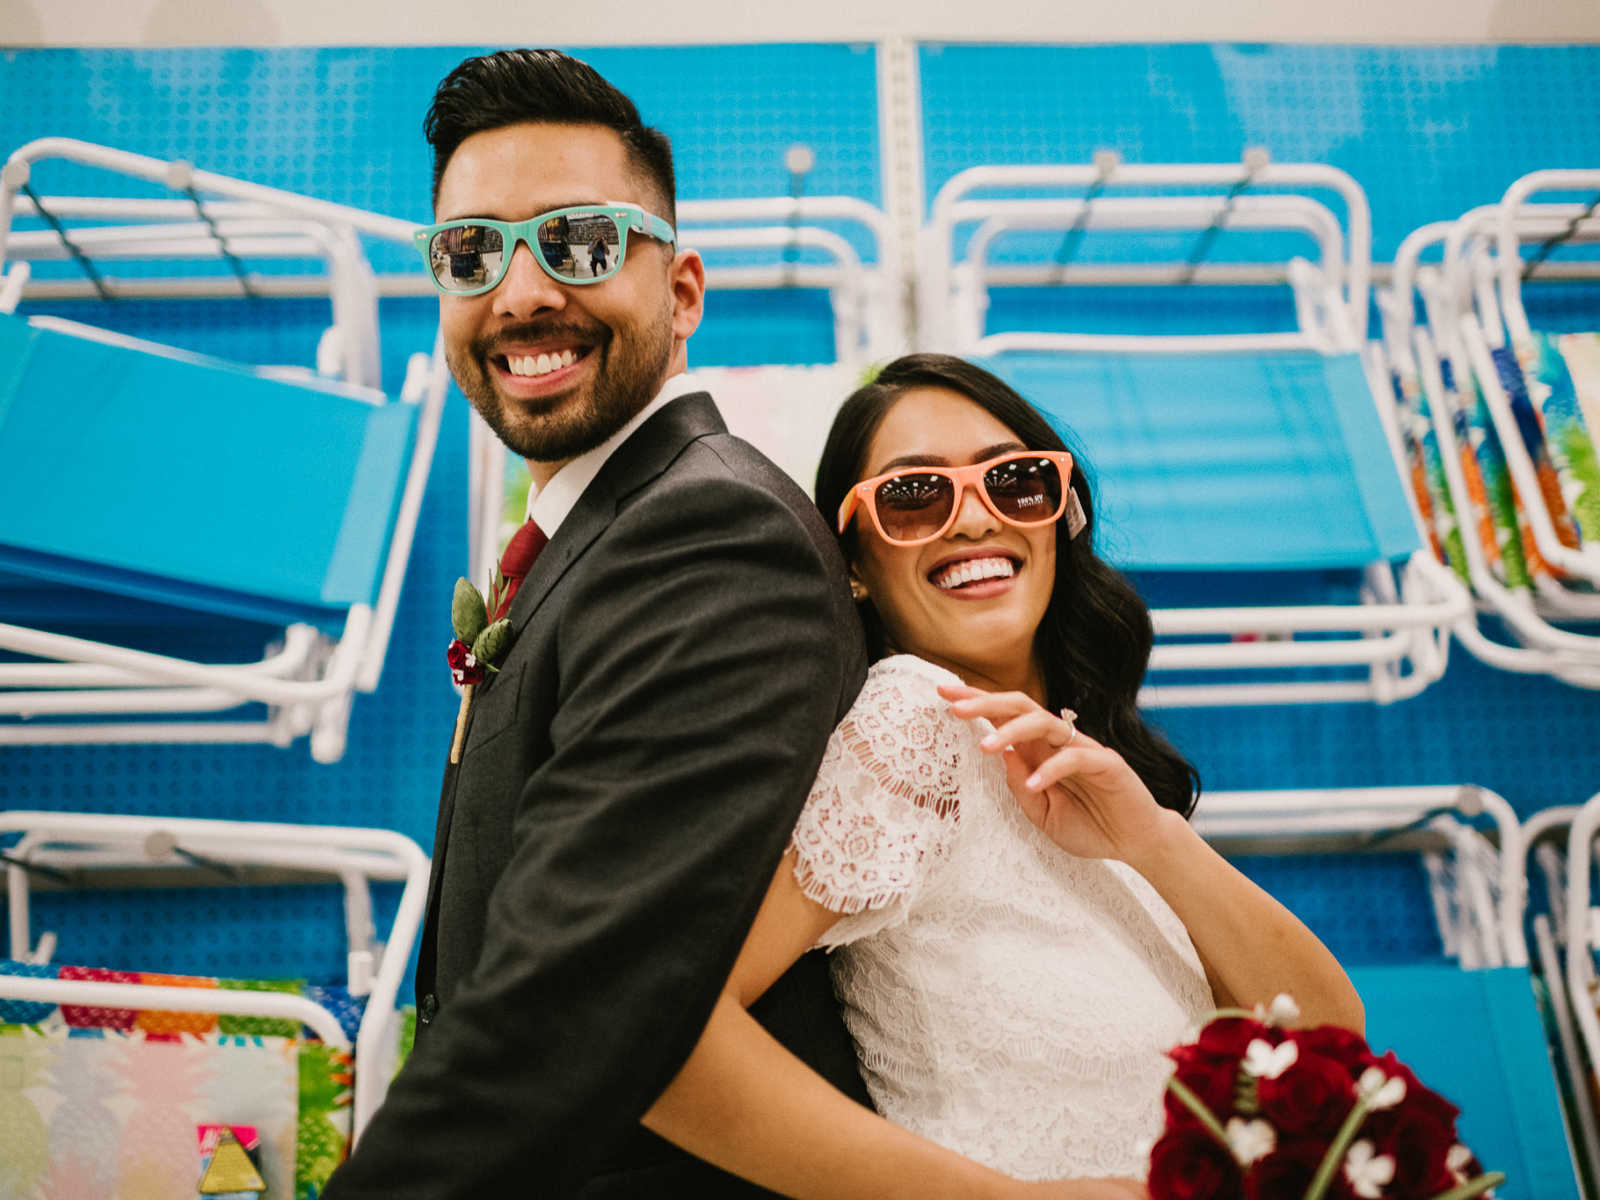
(1026, 488)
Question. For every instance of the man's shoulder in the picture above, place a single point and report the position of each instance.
(720, 468)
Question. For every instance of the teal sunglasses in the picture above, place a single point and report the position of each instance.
(586, 243)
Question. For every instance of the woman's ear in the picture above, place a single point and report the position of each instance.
(858, 590)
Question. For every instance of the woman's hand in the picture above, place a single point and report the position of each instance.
(1082, 795)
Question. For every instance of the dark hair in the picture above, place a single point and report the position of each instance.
(1094, 640)
(509, 87)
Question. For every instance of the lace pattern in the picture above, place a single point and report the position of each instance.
(886, 802)
(1006, 999)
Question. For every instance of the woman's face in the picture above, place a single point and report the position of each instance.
(984, 625)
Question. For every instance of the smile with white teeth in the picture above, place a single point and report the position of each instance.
(973, 570)
(535, 365)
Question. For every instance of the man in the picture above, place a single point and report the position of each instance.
(682, 647)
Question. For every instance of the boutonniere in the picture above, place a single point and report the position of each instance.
(479, 648)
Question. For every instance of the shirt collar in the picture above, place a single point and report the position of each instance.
(550, 504)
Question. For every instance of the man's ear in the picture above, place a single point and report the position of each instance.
(686, 276)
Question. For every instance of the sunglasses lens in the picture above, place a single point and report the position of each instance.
(913, 506)
(578, 247)
(466, 257)
(1026, 490)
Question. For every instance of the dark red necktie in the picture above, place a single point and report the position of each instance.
(517, 561)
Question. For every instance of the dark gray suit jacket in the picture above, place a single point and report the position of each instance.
(683, 648)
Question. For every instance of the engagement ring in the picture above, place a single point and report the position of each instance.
(1070, 718)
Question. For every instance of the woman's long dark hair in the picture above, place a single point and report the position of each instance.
(1094, 639)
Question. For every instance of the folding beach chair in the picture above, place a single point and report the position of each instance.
(109, 1076)
(1249, 480)
(1461, 1013)
(150, 495)
(1502, 456)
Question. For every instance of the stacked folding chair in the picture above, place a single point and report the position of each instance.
(194, 549)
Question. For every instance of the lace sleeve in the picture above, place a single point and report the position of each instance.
(885, 804)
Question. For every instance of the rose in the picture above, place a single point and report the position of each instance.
(1288, 1171)
(1419, 1095)
(1190, 1164)
(464, 665)
(1312, 1097)
(1419, 1143)
(1231, 1035)
(1338, 1043)
(1211, 1079)
(1209, 1066)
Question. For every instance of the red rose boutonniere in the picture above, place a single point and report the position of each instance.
(479, 647)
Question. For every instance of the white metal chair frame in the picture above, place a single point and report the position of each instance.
(83, 843)
(955, 204)
(1582, 922)
(1400, 631)
(1468, 276)
(309, 680)
(1544, 648)
(1477, 887)
(1541, 833)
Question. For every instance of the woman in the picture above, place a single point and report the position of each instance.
(996, 847)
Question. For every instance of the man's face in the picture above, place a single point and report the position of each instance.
(555, 369)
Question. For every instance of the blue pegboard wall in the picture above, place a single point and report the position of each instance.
(1428, 132)
(345, 125)
(1418, 127)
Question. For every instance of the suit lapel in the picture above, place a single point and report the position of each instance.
(639, 460)
(636, 462)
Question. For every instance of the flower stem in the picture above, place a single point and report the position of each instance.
(461, 723)
(1335, 1155)
(1474, 1187)
(1198, 1107)
(1231, 1012)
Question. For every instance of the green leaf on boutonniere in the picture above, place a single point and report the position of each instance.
(468, 613)
(491, 644)
(497, 591)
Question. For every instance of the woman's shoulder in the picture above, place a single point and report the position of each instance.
(900, 704)
(908, 673)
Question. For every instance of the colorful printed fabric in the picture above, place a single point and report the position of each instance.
(101, 1112)
(1515, 370)
(1568, 397)
(156, 1021)
(98, 1101)
(261, 1026)
(323, 1130)
(1490, 499)
(1426, 468)
(1581, 353)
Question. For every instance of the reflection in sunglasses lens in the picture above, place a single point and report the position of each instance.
(580, 246)
(466, 256)
(1025, 489)
(913, 506)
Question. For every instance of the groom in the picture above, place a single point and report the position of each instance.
(683, 645)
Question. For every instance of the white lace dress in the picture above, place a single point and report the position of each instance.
(1007, 999)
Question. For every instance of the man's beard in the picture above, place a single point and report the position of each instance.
(628, 372)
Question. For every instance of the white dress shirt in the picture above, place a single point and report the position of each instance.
(550, 504)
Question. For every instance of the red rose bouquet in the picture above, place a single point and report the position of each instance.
(1259, 1112)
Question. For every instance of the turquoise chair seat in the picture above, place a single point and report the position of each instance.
(1475, 1038)
(193, 482)
(1227, 460)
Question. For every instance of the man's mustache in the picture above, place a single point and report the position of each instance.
(585, 336)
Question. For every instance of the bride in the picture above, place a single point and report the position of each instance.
(996, 850)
